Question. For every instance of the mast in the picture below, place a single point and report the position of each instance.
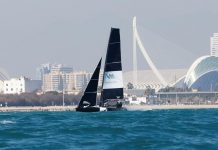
(90, 93)
(112, 85)
(63, 103)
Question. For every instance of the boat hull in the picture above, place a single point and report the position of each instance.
(88, 109)
(115, 105)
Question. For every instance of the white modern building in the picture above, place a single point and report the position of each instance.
(147, 78)
(1, 86)
(214, 45)
(21, 85)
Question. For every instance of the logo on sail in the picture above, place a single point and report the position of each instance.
(113, 79)
(110, 76)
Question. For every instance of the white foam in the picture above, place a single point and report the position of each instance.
(7, 122)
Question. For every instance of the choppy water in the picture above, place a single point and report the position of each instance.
(154, 129)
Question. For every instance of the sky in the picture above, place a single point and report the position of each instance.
(76, 32)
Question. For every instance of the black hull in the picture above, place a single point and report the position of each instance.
(88, 109)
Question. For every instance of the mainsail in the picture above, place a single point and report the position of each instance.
(91, 89)
(112, 86)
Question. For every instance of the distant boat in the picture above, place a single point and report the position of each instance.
(112, 84)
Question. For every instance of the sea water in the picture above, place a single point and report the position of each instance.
(124, 130)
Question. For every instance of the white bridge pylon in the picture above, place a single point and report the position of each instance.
(137, 40)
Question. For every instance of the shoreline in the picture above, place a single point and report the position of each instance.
(36, 108)
(168, 107)
(129, 108)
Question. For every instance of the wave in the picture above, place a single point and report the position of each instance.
(5, 114)
(139, 109)
(7, 122)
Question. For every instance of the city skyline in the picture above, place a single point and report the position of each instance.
(69, 32)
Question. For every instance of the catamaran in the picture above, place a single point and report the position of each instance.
(112, 84)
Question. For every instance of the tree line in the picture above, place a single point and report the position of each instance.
(32, 99)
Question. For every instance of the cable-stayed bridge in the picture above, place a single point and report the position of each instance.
(137, 41)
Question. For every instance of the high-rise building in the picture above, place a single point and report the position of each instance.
(61, 68)
(48, 68)
(214, 45)
(69, 79)
(54, 76)
(43, 69)
(52, 82)
(58, 81)
(81, 79)
(57, 77)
